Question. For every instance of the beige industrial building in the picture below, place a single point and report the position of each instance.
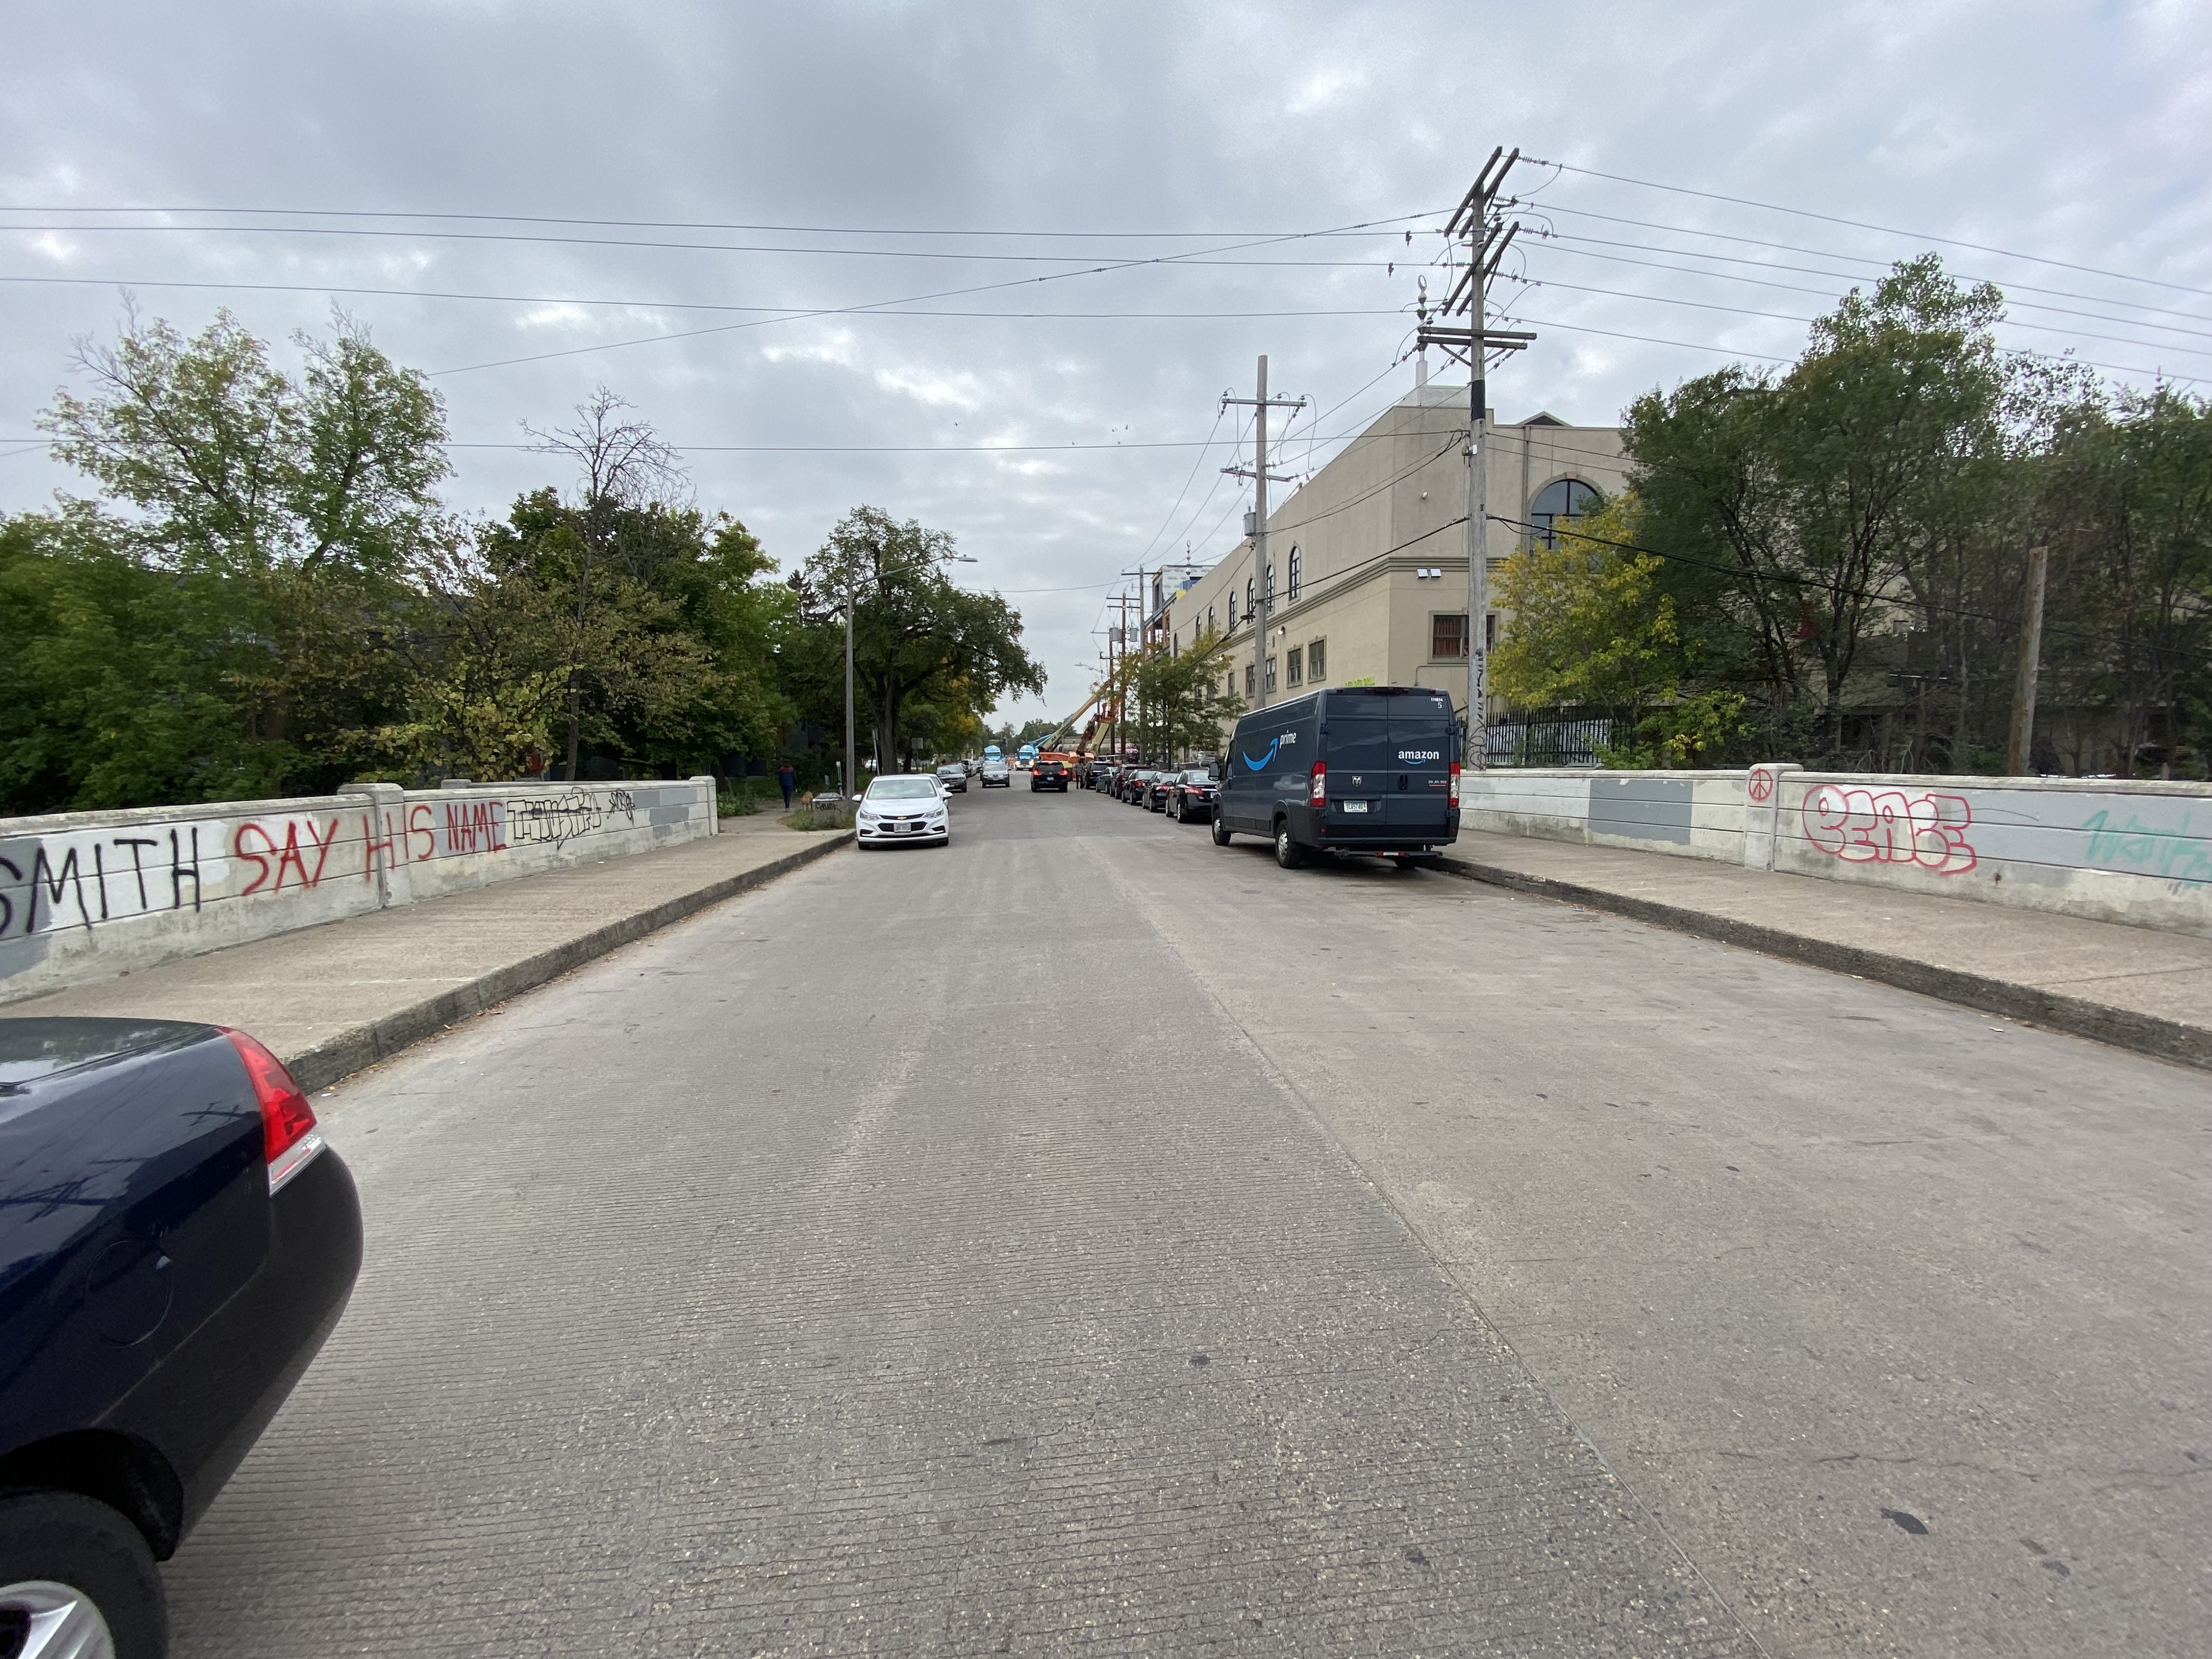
(1369, 558)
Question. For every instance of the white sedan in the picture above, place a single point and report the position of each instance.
(904, 806)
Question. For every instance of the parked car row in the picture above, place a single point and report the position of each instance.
(1186, 794)
(1371, 770)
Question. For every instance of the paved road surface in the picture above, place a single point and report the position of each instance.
(1088, 1239)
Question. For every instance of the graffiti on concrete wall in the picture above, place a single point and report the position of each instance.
(1888, 826)
(94, 876)
(85, 878)
(563, 817)
(2174, 854)
(292, 846)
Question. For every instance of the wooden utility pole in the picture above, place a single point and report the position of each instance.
(1488, 238)
(1263, 599)
(2019, 752)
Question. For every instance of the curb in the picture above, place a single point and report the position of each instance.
(2146, 1033)
(326, 1063)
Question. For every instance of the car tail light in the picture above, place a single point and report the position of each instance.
(1455, 783)
(1317, 788)
(290, 1139)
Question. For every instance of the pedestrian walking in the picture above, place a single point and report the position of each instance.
(786, 778)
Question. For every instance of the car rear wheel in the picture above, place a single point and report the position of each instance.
(1288, 852)
(76, 1580)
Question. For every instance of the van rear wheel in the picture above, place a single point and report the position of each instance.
(1288, 852)
(1220, 831)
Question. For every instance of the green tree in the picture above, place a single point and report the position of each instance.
(1589, 622)
(114, 690)
(2126, 499)
(1826, 497)
(917, 640)
(1176, 701)
(307, 502)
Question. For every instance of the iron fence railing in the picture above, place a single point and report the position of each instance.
(1567, 738)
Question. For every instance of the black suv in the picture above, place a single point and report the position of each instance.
(1048, 774)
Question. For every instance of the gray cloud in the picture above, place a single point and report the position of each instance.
(2072, 132)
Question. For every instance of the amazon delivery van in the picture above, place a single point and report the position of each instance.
(1367, 769)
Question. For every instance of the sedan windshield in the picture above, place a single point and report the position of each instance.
(902, 789)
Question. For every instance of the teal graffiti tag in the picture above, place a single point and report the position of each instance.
(2175, 856)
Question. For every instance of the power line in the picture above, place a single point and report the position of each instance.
(877, 304)
(1765, 356)
(1558, 242)
(1646, 339)
(699, 247)
(669, 305)
(1367, 228)
(1885, 230)
(1197, 462)
(2010, 287)
(1782, 317)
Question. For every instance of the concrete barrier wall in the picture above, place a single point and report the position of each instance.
(87, 896)
(2136, 853)
(2127, 852)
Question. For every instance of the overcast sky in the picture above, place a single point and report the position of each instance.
(2079, 135)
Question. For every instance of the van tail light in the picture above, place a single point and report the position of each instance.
(290, 1139)
(1317, 788)
(1455, 783)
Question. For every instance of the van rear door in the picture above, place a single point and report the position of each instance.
(1424, 744)
(1389, 754)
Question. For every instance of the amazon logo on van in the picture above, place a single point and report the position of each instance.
(1419, 755)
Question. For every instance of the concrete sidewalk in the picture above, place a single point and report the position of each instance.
(333, 999)
(2136, 987)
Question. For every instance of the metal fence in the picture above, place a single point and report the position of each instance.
(1566, 738)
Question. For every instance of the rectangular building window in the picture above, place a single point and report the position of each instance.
(1294, 665)
(1490, 632)
(1317, 661)
(1271, 673)
(1248, 679)
(1448, 636)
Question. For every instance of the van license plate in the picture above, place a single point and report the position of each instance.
(1355, 806)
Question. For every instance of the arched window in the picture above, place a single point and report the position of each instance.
(1561, 498)
(1297, 573)
(1232, 610)
(1251, 598)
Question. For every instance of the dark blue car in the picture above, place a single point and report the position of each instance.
(176, 1242)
